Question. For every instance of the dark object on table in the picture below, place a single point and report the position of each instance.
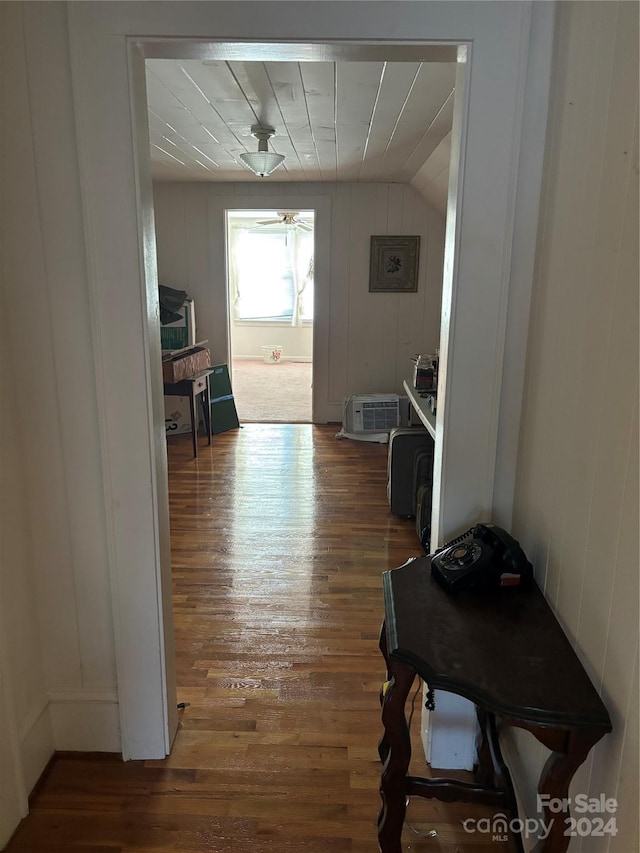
(486, 557)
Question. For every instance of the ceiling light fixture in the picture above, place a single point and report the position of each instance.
(262, 162)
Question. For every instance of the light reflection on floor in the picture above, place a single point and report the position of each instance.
(274, 509)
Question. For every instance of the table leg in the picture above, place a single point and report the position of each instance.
(383, 746)
(397, 746)
(194, 422)
(555, 779)
(207, 410)
(483, 771)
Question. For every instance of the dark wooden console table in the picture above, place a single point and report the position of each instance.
(506, 652)
(195, 388)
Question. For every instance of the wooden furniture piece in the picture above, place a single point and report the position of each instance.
(504, 651)
(420, 405)
(195, 387)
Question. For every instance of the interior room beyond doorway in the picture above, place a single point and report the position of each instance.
(270, 275)
(267, 393)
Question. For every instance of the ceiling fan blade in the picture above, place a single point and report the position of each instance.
(269, 222)
(303, 226)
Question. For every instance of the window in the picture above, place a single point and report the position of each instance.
(270, 269)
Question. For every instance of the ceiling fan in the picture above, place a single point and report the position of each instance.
(286, 218)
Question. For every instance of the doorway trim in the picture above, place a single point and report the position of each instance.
(220, 205)
(105, 44)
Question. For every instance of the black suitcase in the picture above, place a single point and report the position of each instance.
(422, 471)
(403, 444)
(423, 515)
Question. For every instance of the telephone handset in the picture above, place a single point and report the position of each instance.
(485, 557)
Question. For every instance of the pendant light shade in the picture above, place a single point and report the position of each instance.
(262, 162)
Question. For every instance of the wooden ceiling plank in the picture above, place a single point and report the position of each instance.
(439, 160)
(286, 83)
(379, 126)
(175, 100)
(318, 80)
(396, 84)
(191, 136)
(357, 85)
(228, 119)
(181, 87)
(215, 82)
(228, 109)
(254, 82)
(432, 87)
(439, 129)
(184, 151)
(211, 95)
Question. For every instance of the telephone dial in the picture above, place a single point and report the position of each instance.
(485, 557)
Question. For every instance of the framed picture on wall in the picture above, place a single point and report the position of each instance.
(394, 264)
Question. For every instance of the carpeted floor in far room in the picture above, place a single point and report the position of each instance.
(272, 393)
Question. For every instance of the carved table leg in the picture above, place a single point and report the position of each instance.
(397, 746)
(383, 746)
(555, 779)
(483, 771)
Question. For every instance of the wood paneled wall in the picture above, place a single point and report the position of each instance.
(577, 495)
(370, 336)
(57, 657)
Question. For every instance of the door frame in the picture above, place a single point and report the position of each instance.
(495, 231)
(219, 206)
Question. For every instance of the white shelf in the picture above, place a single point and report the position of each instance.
(420, 405)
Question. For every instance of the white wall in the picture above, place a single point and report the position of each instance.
(58, 613)
(432, 179)
(371, 336)
(57, 663)
(576, 510)
(26, 736)
(247, 340)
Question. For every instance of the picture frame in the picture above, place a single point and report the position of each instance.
(394, 264)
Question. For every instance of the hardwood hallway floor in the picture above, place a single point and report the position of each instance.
(279, 537)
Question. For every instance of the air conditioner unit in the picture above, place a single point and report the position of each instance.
(371, 413)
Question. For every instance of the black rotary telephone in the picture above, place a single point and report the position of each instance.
(485, 557)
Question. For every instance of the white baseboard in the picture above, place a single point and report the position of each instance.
(36, 742)
(75, 720)
(298, 358)
(335, 412)
(85, 720)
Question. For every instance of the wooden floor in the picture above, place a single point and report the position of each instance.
(279, 537)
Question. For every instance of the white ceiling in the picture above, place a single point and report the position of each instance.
(334, 120)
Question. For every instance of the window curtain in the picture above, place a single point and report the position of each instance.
(300, 246)
(270, 276)
(235, 231)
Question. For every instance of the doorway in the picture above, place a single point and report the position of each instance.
(116, 201)
(270, 281)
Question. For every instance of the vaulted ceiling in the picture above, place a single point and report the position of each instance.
(334, 121)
